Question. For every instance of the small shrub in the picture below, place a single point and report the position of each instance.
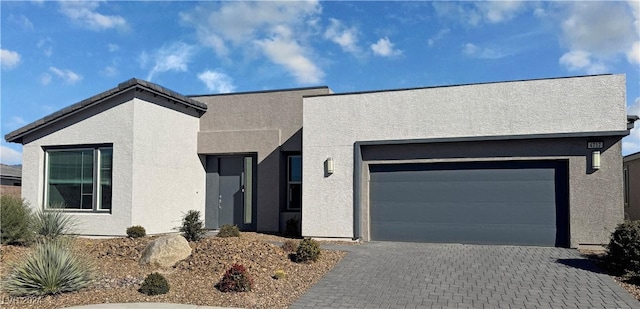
(154, 284)
(291, 228)
(623, 250)
(192, 227)
(228, 230)
(279, 274)
(136, 231)
(52, 224)
(51, 268)
(290, 245)
(236, 279)
(15, 220)
(308, 250)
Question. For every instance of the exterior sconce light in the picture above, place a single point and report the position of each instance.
(328, 165)
(595, 160)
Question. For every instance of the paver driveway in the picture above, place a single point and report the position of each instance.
(413, 275)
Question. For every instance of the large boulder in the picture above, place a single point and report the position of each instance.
(166, 251)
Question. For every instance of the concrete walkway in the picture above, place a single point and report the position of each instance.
(413, 275)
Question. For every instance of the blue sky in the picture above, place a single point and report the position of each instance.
(54, 54)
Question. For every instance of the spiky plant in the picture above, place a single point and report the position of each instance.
(52, 268)
(192, 227)
(54, 223)
(15, 220)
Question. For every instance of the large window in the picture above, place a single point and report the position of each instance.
(79, 178)
(626, 186)
(294, 182)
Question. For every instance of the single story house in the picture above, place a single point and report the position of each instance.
(631, 169)
(534, 162)
(10, 175)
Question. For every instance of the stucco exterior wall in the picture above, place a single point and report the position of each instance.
(167, 174)
(262, 123)
(111, 122)
(333, 124)
(632, 209)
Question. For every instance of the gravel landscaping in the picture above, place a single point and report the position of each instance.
(191, 281)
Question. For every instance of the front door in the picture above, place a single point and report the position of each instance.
(230, 185)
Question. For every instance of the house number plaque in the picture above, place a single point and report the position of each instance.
(595, 145)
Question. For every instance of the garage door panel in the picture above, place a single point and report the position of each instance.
(474, 191)
(451, 212)
(533, 235)
(494, 202)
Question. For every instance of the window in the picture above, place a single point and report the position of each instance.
(626, 186)
(294, 182)
(79, 178)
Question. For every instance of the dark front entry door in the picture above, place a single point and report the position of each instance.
(229, 192)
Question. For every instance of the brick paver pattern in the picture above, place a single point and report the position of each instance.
(414, 275)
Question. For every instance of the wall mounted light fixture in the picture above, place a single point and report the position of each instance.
(328, 165)
(595, 160)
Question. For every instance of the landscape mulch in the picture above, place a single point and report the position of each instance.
(192, 281)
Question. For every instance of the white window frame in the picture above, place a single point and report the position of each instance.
(96, 199)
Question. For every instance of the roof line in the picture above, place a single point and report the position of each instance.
(131, 84)
(447, 86)
(258, 91)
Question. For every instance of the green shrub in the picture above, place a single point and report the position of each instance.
(192, 227)
(236, 279)
(15, 221)
(291, 228)
(154, 284)
(308, 250)
(136, 231)
(290, 245)
(623, 251)
(228, 230)
(54, 223)
(52, 268)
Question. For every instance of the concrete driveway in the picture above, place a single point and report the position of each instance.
(413, 275)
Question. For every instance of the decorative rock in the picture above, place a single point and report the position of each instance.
(166, 251)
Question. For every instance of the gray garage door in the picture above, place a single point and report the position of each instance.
(519, 203)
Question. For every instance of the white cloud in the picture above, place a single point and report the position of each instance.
(217, 81)
(21, 21)
(441, 34)
(597, 34)
(84, 13)
(9, 155)
(280, 31)
(474, 13)
(347, 38)
(45, 44)
(109, 71)
(66, 75)
(631, 143)
(171, 57)
(284, 50)
(384, 48)
(473, 50)
(45, 78)
(500, 11)
(112, 47)
(15, 122)
(9, 59)
(579, 60)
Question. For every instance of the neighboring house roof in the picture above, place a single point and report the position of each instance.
(134, 83)
(631, 157)
(631, 119)
(13, 172)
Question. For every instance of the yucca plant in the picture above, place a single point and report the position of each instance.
(52, 268)
(15, 220)
(54, 223)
